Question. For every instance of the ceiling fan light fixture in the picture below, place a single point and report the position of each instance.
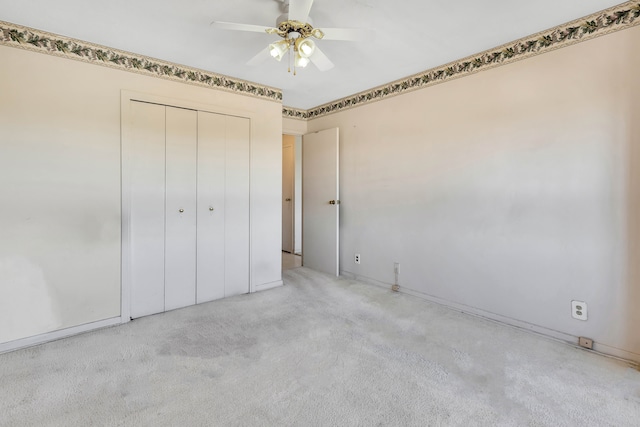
(301, 61)
(305, 47)
(278, 49)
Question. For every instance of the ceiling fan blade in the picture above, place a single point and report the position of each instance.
(239, 27)
(261, 57)
(299, 10)
(320, 60)
(350, 34)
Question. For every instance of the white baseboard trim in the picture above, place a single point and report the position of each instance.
(56, 335)
(565, 338)
(265, 286)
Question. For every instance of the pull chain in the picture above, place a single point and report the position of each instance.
(294, 57)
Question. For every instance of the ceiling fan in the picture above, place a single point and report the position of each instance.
(297, 32)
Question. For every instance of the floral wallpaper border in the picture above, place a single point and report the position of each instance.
(40, 41)
(294, 113)
(610, 20)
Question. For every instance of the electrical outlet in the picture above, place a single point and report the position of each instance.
(585, 342)
(579, 310)
(356, 259)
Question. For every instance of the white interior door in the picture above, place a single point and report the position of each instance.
(288, 171)
(180, 208)
(320, 201)
(146, 223)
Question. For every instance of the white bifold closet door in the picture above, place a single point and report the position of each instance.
(189, 219)
(180, 208)
(236, 230)
(223, 206)
(211, 206)
(146, 223)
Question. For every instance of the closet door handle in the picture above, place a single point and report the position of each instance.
(180, 210)
(211, 208)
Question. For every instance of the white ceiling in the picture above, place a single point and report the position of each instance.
(410, 36)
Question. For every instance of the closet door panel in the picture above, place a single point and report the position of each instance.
(211, 207)
(237, 206)
(147, 208)
(180, 233)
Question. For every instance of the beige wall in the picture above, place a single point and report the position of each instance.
(507, 193)
(60, 192)
(294, 126)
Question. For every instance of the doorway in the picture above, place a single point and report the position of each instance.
(310, 199)
(291, 201)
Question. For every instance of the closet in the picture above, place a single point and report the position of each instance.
(189, 207)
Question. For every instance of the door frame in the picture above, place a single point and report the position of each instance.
(126, 96)
(292, 200)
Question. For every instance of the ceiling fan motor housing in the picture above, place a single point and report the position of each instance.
(295, 29)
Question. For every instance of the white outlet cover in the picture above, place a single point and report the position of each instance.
(579, 310)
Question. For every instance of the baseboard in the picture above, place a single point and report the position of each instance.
(565, 338)
(265, 286)
(56, 335)
(617, 353)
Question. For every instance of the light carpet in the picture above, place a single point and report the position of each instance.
(319, 351)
